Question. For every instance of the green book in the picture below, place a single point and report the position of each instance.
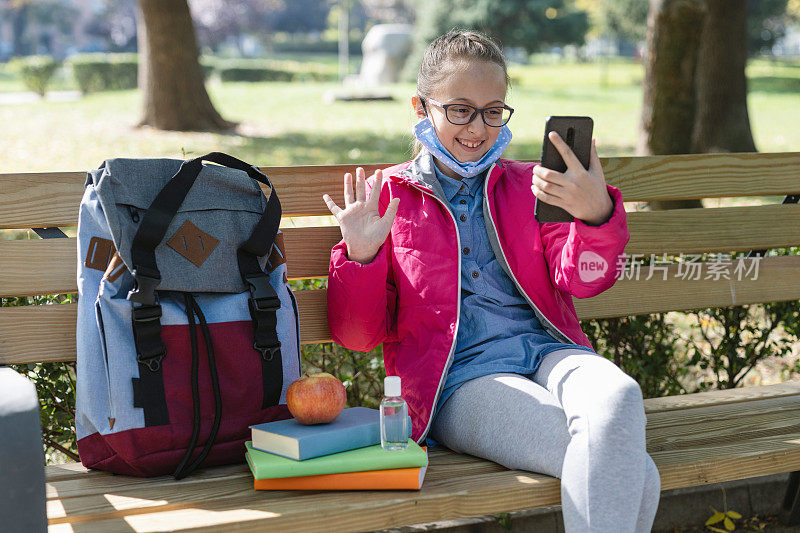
(267, 465)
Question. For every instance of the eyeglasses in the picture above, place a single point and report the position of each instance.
(461, 114)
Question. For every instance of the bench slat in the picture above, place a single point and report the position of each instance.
(47, 332)
(235, 501)
(47, 266)
(51, 198)
(677, 430)
(778, 280)
(711, 230)
(721, 397)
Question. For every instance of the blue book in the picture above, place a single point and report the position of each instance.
(355, 427)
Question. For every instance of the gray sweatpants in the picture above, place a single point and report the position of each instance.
(581, 419)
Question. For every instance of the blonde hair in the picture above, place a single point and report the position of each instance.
(452, 46)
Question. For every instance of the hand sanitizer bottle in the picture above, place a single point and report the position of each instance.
(394, 416)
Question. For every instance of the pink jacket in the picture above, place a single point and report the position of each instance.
(408, 297)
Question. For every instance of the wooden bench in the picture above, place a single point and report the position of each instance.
(695, 439)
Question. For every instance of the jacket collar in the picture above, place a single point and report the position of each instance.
(422, 172)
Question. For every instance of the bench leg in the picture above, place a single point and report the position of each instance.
(791, 500)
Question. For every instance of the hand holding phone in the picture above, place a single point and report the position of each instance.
(570, 179)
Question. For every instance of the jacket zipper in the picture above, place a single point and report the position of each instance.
(458, 308)
(508, 265)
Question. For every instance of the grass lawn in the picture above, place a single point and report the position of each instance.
(289, 123)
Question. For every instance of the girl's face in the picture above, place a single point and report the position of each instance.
(477, 83)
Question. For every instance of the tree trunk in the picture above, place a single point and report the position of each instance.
(668, 113)
(722, 123)
(170, 76)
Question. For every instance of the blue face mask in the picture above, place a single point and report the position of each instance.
(426, 134)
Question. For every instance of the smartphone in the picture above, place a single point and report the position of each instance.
(577, 133)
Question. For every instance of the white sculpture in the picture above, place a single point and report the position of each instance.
(385, 49)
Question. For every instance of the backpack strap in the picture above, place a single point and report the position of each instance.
(263, 302)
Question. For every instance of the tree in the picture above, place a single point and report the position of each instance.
(695, 89)
(170, 77)
(673, 41)
(721, 123)
(531, 24)
(623, 18)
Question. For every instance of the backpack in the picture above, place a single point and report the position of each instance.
(187, 329)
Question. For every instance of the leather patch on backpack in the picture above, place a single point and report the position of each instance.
(193, 243)
(277, 255)
(115, 268)
(99, 253)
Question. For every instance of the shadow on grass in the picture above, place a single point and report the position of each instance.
(772, 84)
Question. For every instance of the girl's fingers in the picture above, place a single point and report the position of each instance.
(594, 160)
(332, 207)
(566, 152)
(361, 193)
(546, 174)
(545, 197)
(348, 189)
(548, 187)
(377, 185)
(388, 216)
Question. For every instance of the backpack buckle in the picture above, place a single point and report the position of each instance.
(144, 288)
(264, 303)
(146, 322)
(262, 295)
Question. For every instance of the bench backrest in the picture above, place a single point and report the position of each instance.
(41, 333)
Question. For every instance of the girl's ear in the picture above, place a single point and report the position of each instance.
(416, 103)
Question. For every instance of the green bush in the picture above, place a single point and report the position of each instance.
(301, 46)
(105, 72)
(245, 73)
(36, 72)
(646, 347)
(55, 388)
(729, 342)
(272, 70)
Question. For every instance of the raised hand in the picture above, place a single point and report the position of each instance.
(582, 193)
(363, 229)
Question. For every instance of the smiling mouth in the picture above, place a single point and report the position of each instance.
(468, 144)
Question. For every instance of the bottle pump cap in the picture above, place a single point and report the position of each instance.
(391, 386)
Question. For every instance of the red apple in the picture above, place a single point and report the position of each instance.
(316, 399)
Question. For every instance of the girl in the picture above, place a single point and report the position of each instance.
(442, 261)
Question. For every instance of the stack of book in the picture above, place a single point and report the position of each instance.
(345, 454)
